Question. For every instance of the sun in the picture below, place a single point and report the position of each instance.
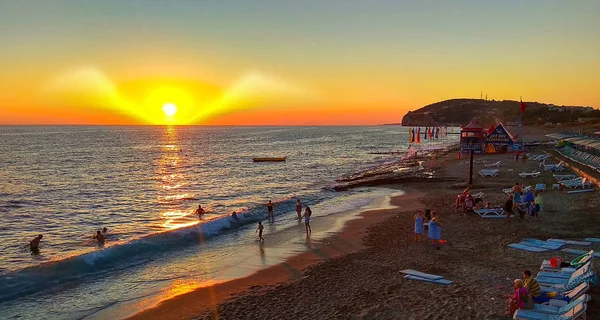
(170, 109)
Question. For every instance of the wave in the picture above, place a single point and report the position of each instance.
(137, 252)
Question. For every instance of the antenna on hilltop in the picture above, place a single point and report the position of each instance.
(481, 97)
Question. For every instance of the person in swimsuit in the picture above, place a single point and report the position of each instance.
(419, 229)
(517, 193)
(99, 237)
(199, 211)
(35, 243)
(299, 208)
(307, 214)
(270, 215)
(260, 231)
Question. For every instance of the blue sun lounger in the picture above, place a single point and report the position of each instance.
(573, 310)
(438, 281)
(525, 247)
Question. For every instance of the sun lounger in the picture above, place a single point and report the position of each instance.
(478, 195)
(489, 172)
(554, 281)
(560, 177)
(485, 213)
(565, 273)
(421, 274)
(525, 247)
(494, 165)
(589, 276)
(582, 260)
(573, 242)
(595, 240)
(438, 281)
(534, 174)
(549, 244)
(540, 187)
(574, 310)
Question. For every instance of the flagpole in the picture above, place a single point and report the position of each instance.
(521, 127)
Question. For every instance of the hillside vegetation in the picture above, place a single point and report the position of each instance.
(461, 111)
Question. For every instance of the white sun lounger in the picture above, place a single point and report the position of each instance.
(489, 172)
(561, 177)
(534, 174)
(494, 165)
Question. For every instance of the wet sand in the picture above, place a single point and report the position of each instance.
(363, 280)
(206, 300)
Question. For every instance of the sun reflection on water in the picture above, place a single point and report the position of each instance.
(172, 179)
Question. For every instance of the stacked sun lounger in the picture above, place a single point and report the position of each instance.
(426, 277)
(535, 245)
(583, 158)
(569, 286)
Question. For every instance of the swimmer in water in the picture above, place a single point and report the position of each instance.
(235, 216)
(35, 243)
(99, 237)
(199, 211)
(260, 231)
(104, 230)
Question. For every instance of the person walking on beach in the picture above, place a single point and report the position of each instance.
(260, 231)
(307, 214)
(419, 222)
(524, 158)
(199, 211)
(34, 244)
(508, 207)
(435, 231)
(270, 207)
(299, 208)
(99, 237)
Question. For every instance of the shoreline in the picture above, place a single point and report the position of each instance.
(346, 241)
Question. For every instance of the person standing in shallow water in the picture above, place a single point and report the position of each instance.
(99, 237)
(307, 214)
(260, 231)
(199, 211)
(270, 207)
(299, 208)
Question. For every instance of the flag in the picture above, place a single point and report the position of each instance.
(410, 135)
(419, 135)
(426, 132)
(437, 132)
(430, 133)
(491, 129)
(523, 107)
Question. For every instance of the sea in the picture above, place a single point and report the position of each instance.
(143, 183)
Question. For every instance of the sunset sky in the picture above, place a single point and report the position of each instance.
(287, 62)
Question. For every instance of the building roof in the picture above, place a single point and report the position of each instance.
(472, 125)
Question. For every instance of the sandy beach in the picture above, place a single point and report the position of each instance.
(363, 280)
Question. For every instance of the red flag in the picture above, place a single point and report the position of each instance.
(523, 106)
(491, 129)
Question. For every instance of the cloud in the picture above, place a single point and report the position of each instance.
(84, 86)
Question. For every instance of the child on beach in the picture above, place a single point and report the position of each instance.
(419, 221)
(521, 299)
(435, 231)
(307, 214)
(260, 231)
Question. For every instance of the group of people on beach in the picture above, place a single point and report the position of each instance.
(270, 216)
(430, 221)
(34, 244)
(525, 202)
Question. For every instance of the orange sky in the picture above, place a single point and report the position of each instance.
(277, 63)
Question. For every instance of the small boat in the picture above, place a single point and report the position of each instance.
(280, 159)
